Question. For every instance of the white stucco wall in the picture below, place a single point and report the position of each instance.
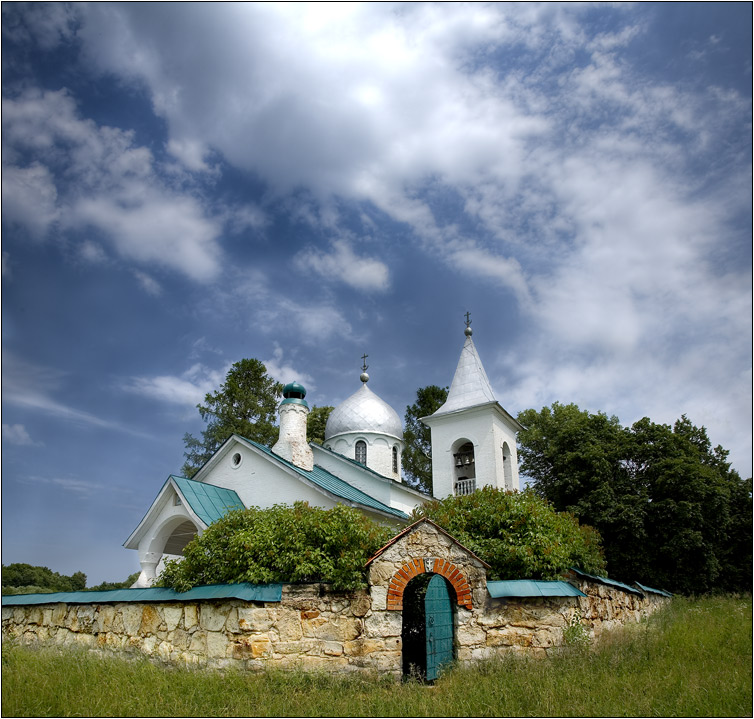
(379, 450)
(486, 428)
(258, 481)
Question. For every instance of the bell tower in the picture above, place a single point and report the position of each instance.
(473, 437)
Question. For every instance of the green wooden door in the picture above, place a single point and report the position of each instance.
(438, 618)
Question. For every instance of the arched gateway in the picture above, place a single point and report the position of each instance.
(432, 582)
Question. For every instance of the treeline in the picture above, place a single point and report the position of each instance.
(20, 578)
(667, 504)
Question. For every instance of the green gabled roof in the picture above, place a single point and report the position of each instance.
(247, 592)
(332, 484)
(207, 501)
(532, 588)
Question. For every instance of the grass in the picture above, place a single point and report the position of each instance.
(693, 658)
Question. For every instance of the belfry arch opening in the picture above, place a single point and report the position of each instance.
(464, 468)
(507, 467)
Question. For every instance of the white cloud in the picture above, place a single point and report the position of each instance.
(285, 373)
(29, 198)
(85, 176)
(361, 273)
(188, 389)
(16, 434)
(72, 484)
(148, 283)
(168, 231)
(34, 387)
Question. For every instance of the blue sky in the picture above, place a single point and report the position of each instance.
(187, 185)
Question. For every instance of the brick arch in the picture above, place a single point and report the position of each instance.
(415, 567)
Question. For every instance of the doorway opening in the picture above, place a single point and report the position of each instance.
(428, 627)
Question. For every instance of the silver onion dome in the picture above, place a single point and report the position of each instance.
(364, 411)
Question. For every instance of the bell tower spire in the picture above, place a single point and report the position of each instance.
(473, 437)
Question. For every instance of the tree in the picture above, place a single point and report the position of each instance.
(316, 422)
(670, 510)
(284, 543)
(125, 584)
(32, 577)
(518, 534)
(246, 404)
(417, 456)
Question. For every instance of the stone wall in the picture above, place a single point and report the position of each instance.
(314, 628)
(311, 628)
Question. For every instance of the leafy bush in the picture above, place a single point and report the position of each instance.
(29, 589)
(518, 534)
(285, 543)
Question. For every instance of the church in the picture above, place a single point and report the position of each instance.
(473, 445)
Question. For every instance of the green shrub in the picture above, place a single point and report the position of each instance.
(31, 589)
(295, 543)
(518, 534)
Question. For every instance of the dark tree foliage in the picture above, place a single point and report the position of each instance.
(29, 575)
(246, 404)
(518, 534)
(417, 456)
(284, 543)
(316, 422)
(671, 511)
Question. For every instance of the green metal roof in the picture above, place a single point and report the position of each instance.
(371, 471)
(330, 483)
(661, 592)
(532, 588)
(207, 501)
(247, 592)
(609, 582)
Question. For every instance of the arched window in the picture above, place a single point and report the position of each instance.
(361, 451)
(395, 459)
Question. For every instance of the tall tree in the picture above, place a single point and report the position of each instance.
(316, 423)
(417, 456)
(670, 510)
(246, 404)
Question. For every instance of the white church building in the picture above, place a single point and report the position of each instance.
(473, 445)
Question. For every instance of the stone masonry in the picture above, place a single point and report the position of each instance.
(314, 628)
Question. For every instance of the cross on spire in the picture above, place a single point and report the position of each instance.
(468, 319)
(364, 366)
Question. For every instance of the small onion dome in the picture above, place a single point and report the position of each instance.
(294, 393)
(364, 411)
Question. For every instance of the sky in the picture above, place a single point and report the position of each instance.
(187, 185)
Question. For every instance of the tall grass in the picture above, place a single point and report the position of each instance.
(691, 659)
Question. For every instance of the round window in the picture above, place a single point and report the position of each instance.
(236, 459)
